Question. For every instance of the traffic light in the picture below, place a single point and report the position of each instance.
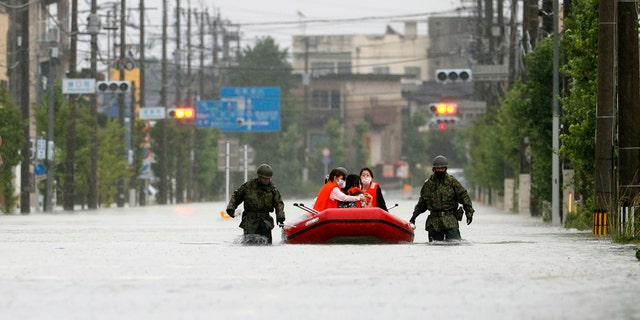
(443, 108)
(183, 113)
(453, 75)
(444, 114)
(112, 86)
(443, 123)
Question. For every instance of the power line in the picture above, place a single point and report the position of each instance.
(371, 18)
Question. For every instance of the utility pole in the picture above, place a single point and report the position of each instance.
(196, 186)
(203, 16)
(216, 61)
(556, 217)
(163, 179)
(48, 204)
(605, 116)
(70, 173)
(94, 29)
(121, 109)
(192, 130)
(628, 111)
(179, 154)
(23, 46)
(143, 103)
(132, 147)
(513, 48)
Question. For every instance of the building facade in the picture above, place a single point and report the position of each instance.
(353, 99)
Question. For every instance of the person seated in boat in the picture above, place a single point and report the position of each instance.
(353, 188)
(343, 169)
(331, 193)
(372, 188)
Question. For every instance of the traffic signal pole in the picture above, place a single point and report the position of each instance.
(93, 152)
(49, 160)
(121, 109)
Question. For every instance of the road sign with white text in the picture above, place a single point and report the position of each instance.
(152, 113)
(79, 86)
(241, 109)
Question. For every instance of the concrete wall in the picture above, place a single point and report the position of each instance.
(509, 185)
(524, 194)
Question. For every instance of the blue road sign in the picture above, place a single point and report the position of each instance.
(39, 169)
(241, 109)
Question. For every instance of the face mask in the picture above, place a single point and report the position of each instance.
(342, 184)
(439, 175)
(264, 182)
(366, 180)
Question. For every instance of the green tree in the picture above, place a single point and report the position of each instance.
(538, 114)
(524, 114)
(11, 133)
(486, 170)
(287, 173)
(358, 144)
(336, 142)
(265, 65)
(61, 114)
(206, 164)
(416, 144)
(110, 165)
(580, 43)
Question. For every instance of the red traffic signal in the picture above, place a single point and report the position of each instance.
(183, 113)
(443, 123)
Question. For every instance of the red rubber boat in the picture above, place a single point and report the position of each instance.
(348, 226)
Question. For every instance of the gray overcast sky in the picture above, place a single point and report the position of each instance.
(280, 19)
(257, 17)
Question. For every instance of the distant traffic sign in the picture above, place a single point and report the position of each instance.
(241, 109)
(39, 169)
(152, 113)
(78, 86)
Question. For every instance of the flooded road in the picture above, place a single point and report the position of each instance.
(183, 261)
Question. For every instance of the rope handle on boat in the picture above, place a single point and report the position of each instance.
(305, 208)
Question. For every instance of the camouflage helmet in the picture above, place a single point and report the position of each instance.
(440, 162)
(265, 171)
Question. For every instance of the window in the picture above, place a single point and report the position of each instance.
(321, 68)
(325, 99)
(412, 72)
(344, 67)
(381, 70)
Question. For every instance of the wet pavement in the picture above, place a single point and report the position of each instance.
(184, 261)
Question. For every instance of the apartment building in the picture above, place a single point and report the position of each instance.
(389, 53)
(359, 78)
(353, 98)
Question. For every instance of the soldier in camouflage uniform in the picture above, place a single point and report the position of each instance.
(260, 197)
(441, 194)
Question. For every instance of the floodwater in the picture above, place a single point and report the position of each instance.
(184, 262)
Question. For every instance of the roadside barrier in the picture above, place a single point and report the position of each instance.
(600, 221)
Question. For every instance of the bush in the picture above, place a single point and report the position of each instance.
(582, 219)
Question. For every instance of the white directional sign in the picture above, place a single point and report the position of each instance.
(78, 86)
(41, 149)
(152, 113)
